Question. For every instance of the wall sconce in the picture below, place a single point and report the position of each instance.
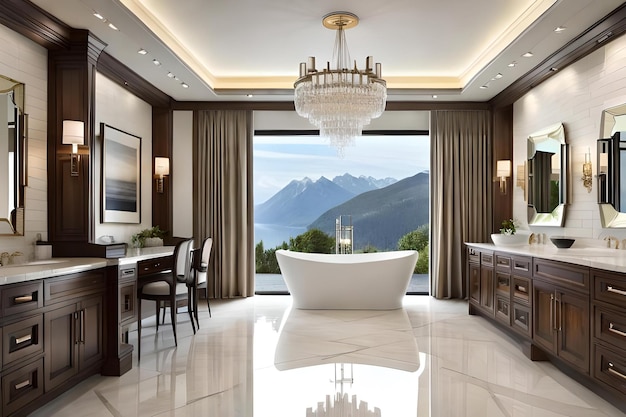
(587, 174)
(503, 171)
(74, 134)
(161, 169)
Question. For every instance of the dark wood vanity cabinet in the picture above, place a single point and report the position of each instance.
(513, 292)
(52, 337)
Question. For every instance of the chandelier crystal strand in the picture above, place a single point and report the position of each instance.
(340, 101)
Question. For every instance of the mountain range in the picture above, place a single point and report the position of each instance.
(301, 202)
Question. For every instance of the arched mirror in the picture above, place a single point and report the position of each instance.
(612, 167)
(547, 167)
(12, 157)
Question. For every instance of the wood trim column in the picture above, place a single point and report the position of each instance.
(71, 96)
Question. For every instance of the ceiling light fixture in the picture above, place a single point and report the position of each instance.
(170, 75)
(142, 51)
(527, 55)
(498, 76)
(434, 95)
(156, 62)
(112, 26)
(98, 15)
(559, 29)
(484, 87)
(184, 85)
(512, 64)
(340, 101)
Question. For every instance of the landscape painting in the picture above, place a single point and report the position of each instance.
(121, 176)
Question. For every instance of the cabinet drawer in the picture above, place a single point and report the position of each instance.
(128, 299)
(73, 286)
(610, 288)
(151, 266)
(521, 319)
(610, 367)
(473, 255)
(610, 326)
(486, 258)
(522, 289)
(566, 275)
(503, 310)
(503, 284)
(20, 298)
(22, 386)
(503, 262)
(521, 266)
(21, 339)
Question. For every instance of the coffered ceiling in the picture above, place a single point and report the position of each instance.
(458, 50)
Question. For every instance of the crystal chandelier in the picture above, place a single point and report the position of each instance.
(342, 100)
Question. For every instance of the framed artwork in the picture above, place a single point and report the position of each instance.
(121, 176)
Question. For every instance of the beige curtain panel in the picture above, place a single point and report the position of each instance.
(460, 195)
(223, 206)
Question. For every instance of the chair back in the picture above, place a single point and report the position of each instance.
(203, 264)
(182, 260)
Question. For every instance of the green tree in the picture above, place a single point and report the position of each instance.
(312, 241)
(417, 240)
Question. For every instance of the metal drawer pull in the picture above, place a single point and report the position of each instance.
(520, 288)
(614, 372)
(27, 299)
(522, 267)
(22, 384)
(610, 288)
(20, 340)
(614, 330)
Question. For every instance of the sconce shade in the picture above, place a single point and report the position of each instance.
(503, 168)
(161, 166)
(73, 132)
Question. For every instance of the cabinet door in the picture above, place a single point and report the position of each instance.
(487, 289)
(544, 328)
(474, 283)
(60, 362)
(573, 325)
(90, 332)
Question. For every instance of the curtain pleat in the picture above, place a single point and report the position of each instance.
(223, 206)
(461, 187)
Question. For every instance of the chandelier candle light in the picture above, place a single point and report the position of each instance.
(342, 100)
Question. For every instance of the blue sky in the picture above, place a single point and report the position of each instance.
(280, 159)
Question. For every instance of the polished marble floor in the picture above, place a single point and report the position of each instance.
(257, 357)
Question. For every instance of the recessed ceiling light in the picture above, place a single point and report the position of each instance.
(483, 87)
(176, 78)
(559, 29)
(156, 62)
(98, 15)
(527, 55)
(434, 95)
(169, 74)
(184, 85)
(554, 69)
(112, 26)
(498, 76)
(142, 51)
(249, 95)
(512, 64)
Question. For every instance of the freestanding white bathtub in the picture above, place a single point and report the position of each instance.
(362, 281)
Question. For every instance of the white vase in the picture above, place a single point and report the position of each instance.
(153, 241)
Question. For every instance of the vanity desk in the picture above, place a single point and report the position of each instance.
(63, 320)
(565, 305)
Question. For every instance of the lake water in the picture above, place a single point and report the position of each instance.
(273, 235)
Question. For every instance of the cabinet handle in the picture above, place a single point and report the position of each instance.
(520, 266)
(610, 288)
(82, 327)
(613, 329)
(520, 288)
(20, 340)
(552, 312)
(614, 372)
(560, 303)
(21, 299)
(22, 384)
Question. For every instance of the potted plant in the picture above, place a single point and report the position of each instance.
(148, 237)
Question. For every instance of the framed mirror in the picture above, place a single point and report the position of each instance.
(547, 168)
(611, 165)
(12, 157)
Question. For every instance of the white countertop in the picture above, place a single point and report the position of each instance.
(53, 267)
(593, 257)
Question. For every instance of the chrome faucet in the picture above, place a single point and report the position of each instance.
(609, 239)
